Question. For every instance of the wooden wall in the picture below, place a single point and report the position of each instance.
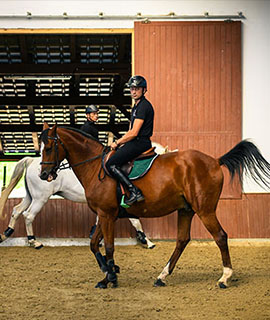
(241, 218)
(193, 71)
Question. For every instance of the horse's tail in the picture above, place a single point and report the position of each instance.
(246, 158)
(15, 178)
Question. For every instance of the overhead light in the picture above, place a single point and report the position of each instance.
(18, 77)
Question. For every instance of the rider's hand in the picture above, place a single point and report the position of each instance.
(113, 146)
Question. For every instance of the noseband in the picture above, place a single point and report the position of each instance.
(56, 162)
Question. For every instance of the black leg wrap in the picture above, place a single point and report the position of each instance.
(141, 237)
(8, 232)
(101, 262)
(111, 271)
(116, 269)
(31, 238)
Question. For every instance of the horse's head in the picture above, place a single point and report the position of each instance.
(51, 154)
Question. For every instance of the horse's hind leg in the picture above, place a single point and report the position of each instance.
(16, 212)
(183, 238)
(220, 236)
(140, 235)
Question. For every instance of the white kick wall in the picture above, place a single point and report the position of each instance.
(255, 47)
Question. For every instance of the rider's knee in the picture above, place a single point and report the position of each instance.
(110, 167)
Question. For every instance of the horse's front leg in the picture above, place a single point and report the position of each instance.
(29, 216)
(105, 227)
(16, 212)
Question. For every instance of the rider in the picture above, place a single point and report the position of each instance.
(92, 117)
(136, 140)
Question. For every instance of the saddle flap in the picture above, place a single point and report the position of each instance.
(127, 167)
(141, 167)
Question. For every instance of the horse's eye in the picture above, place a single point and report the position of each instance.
(48, 150)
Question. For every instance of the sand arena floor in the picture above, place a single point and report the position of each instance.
(58, 284)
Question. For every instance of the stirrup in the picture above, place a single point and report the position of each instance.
(135, 197)
(123, 204)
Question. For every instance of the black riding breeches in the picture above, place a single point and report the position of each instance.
(128, 152)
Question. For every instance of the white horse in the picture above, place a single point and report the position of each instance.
(38, 193)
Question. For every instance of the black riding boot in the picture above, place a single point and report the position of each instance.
(135, 193)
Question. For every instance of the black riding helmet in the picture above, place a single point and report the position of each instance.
(137, 81)
(91, 108)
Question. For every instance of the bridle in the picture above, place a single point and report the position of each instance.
(57, 163)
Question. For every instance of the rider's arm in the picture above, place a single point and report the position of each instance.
(130, 135)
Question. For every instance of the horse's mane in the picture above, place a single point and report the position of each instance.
(44, 134)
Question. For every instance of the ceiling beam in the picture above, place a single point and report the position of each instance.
(65, 69)
(13, 157)
(31, 114)
(39, 127)
(23, 48)
(67, 101)
(72, 115)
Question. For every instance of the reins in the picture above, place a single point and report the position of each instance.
(64, 166)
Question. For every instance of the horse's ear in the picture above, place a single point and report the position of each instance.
(54, 130)
(45, 126)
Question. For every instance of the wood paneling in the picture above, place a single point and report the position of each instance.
(193, 70)
(241, 218)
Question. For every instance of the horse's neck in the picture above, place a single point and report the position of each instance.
(81, 149)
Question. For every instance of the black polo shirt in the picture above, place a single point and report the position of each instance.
(144, 110)
(90, 128)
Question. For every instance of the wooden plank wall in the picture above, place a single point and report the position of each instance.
(193, 71)
(241, 218)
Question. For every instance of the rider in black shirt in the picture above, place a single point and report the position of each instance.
(136, 140)
(89, 125)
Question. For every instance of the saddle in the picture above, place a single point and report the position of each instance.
(149, 154)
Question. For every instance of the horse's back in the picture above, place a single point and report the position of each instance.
(189, 157)
(188, 167)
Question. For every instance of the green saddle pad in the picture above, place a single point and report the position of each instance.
(141, 167)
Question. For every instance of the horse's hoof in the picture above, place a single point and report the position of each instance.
(222, 285)
(152, 247)
(114, 284)
(39, 247)
(159, 283)
(101, 285)
(2, 238)
(116, 269)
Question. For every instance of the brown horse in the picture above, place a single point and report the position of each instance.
(187, 181)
